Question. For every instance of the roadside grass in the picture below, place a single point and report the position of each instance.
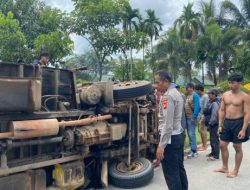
(198, 138)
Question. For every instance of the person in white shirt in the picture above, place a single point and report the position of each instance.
(170, 150)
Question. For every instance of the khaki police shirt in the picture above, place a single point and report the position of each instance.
(170, 110)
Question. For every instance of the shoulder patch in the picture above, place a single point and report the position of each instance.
(164, 103)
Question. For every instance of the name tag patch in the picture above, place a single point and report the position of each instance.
(164, 103)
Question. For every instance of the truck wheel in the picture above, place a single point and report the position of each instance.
(139, 175)
(131, 89)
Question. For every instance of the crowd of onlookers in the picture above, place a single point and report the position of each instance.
(201, 111)
(226, 117)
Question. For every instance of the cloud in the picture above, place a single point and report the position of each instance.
(166, 10)
(81, 45)
(169, 10)
(65, 5)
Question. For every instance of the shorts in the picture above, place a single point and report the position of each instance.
(231, 129)
(201, 124)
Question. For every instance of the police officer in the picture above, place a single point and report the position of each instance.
(170, 150)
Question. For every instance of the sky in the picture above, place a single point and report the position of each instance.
(166, 10)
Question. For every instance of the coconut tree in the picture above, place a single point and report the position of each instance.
(188, 25)
(130, 18)
(152, 27)
(208, 12)
(208, 17)
(219, 48)
(243, 59)
(206, 49)
(169, 54)
(140, 28)
(239, 17)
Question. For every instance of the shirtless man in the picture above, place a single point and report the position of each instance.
(234, 116)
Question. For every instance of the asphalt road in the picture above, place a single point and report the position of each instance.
(201, 176)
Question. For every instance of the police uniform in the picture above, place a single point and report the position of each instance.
(172, 140)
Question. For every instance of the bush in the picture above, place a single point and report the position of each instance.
(225, 87)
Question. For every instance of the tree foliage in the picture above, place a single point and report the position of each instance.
(12, 40)
(207, 39)
(210, 39)
(97, 21)
(56, 42)
(38, 24)
(27, 12)
(88, 60)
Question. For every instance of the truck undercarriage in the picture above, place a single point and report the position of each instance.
(57, 135)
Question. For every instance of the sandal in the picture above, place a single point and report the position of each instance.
(209, 155)
(212, 158)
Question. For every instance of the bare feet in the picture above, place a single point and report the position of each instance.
(222, 170)
(232, 174)
(202, 148)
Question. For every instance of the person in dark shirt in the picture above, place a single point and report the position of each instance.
(211, 114)
(43, 59)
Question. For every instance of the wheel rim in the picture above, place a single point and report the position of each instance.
(135, 166)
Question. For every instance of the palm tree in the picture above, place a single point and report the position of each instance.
(206, 49)
(168, 52)
(238, 17)
(129, 18)
(208, 16)
(152, 27)
(229, 41)
(243, 59)
(208, 13)
(140, 28)
(219, 48)
(188, 25)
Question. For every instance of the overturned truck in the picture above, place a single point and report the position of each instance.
(59, 136)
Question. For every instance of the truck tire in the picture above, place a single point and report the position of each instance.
(141, 173)
(131, 89)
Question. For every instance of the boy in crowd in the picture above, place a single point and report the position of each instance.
(212, 121)
(192, 109)
(201, 124)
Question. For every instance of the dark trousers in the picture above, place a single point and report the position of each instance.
(214, 141)
(172, 164)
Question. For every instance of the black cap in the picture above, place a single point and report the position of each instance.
(213, 91)
(219, 90)
(45, 53)
(19, 61)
